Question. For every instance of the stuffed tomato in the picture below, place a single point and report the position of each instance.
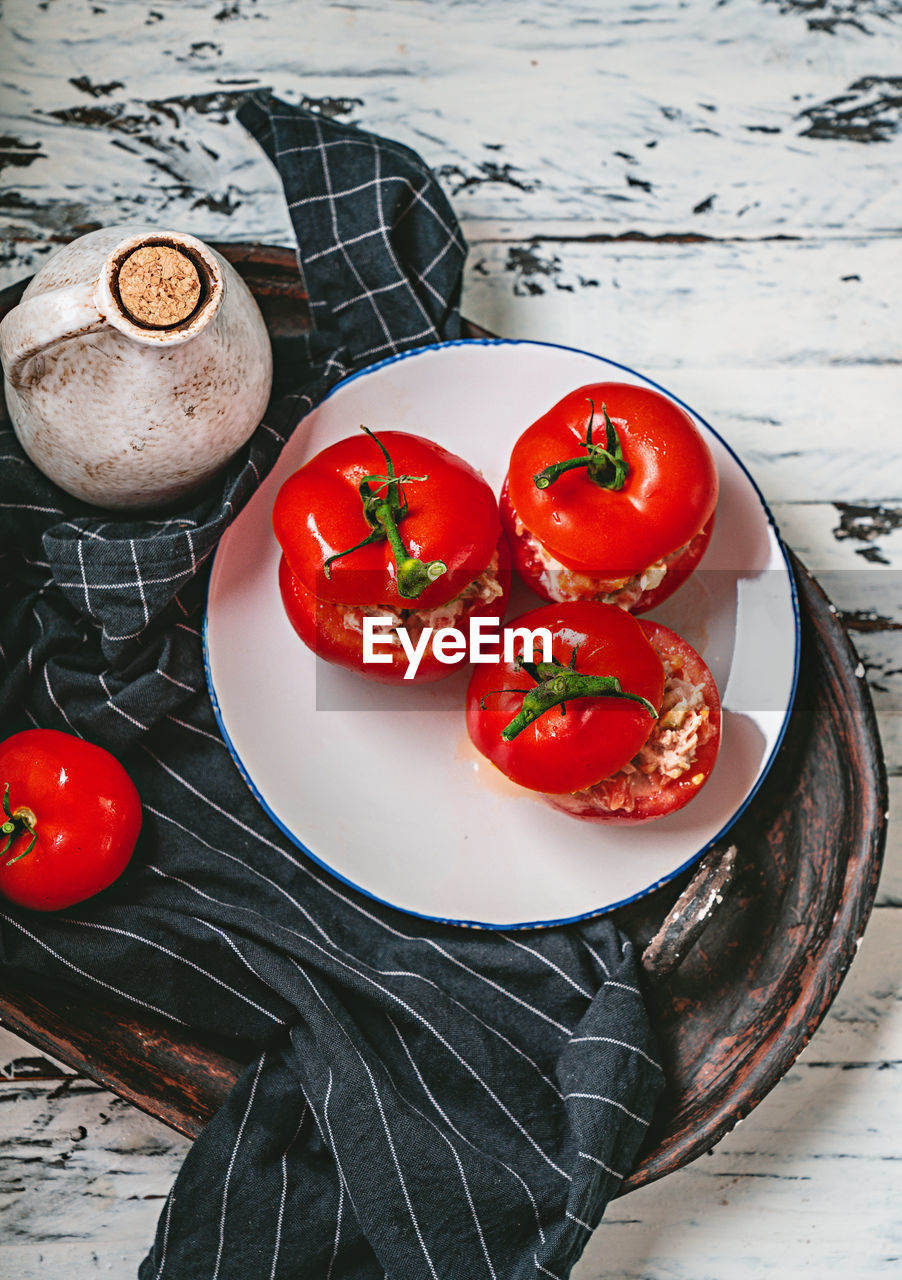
(610, 496)
(620, 723)
(394, 528)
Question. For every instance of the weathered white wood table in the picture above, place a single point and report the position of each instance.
(707, 191)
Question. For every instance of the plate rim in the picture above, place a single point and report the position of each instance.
(595, 912)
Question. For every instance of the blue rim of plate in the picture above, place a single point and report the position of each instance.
(734, 817)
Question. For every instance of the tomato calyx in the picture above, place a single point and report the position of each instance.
(24, 819)
(555, 685)
(605, 465)
(383, 507)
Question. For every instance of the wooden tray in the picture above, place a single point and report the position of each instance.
(732, 1017)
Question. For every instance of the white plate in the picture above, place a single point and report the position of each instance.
(380, 785)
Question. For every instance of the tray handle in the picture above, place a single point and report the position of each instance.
(691, 914)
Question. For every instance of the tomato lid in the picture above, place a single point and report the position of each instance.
(450, 515)
(569, 748)
(668, 495)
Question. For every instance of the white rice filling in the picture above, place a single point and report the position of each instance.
(673, 743)
(668, 754)
(564, 585)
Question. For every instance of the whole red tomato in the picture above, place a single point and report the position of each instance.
(71, 819)
(623, 724)
(610, 495)
(392, 526)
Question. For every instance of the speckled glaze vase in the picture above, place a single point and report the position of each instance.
(118, 412)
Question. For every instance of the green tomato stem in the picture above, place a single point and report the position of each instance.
(22, 820)
(383, 507)
(605, 465)
(413, 575)
(557, 685)
(562, 688)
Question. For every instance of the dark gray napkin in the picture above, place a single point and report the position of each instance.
(427, 1101)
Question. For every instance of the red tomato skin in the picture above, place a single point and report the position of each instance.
(452, 516)
(670, 493)
(676, 792)
(533, 571)
(597, 736)
(88, 818)
(320, 625)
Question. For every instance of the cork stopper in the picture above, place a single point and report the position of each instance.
(158, 286)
